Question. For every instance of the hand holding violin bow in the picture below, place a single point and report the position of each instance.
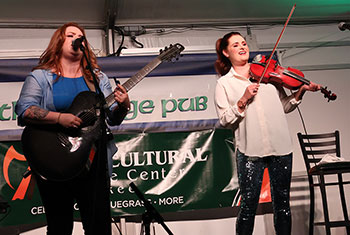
(248, 95)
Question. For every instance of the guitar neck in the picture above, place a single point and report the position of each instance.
(135, 79)
(130, 83)
(166, 54)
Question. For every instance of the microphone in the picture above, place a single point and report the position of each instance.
(342, 26)
(76, 43)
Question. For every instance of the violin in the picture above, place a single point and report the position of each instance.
(290, 78)
(266, 71)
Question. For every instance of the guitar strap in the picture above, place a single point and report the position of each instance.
(92, 87)
(90, 84)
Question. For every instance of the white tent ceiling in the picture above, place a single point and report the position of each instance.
(126, 17)
(103, 14)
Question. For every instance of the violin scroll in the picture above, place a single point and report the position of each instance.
(328, 94)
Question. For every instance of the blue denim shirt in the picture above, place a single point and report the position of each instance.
(37, 90)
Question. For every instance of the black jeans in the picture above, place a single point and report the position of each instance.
(90, 192)
(250, 174)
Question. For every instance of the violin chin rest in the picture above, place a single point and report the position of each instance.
(257, 58)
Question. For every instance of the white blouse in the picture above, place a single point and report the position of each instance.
(262, 129)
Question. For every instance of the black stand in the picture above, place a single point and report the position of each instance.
(97, 87)
(151, 213)
(102, 142)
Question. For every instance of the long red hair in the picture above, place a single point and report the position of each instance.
(50, 58)
(223, 64)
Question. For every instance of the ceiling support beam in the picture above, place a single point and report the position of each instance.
(110, 16)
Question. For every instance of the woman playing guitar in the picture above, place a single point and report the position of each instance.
(47, 93)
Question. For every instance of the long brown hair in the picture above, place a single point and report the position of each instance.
(50, 58)
(222, 64)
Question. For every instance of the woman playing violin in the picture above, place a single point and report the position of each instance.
(256, 113)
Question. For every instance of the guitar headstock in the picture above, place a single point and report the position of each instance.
(173, 51)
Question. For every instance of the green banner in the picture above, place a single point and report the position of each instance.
(176, 171)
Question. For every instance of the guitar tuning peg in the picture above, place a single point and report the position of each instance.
(161, 50)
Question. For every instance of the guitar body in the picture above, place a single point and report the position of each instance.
(57, 153)
(60, 154)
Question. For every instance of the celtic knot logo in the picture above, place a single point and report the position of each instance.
(22, 189)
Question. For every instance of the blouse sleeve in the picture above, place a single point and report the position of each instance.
(228, 114)
(288, 101)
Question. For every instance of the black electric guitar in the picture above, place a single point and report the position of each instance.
(59, 154)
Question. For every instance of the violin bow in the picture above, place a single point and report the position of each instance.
(278, 40)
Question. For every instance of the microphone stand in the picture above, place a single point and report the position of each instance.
(151, 213)
(102, 142)
(97, 87)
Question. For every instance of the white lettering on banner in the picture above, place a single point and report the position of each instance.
(176, 200)
(160, 157)
(37, 210)
(171, 200)
(133, 174)
(120, 189)
(126, 204)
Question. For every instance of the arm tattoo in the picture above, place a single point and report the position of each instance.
(36, 113)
